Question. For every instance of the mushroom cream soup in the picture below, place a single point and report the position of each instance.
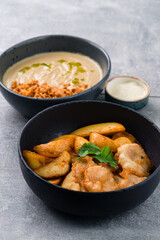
(54, 74)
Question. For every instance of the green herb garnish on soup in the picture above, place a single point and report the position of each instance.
(61, 61)
(35, 65)
(75, 81)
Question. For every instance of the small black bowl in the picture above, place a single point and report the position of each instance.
(63, 119)
(28, 106)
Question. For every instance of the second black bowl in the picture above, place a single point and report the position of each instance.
(30, 106)
(65, 118)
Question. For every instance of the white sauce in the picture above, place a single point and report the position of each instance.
(58, 73)
(127, 89)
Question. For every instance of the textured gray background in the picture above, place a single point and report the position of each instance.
(130, 32)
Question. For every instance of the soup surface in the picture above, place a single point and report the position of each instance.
(54, 69)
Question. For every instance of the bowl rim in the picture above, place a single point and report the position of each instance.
(128, 76)
(79, 192)
(42, 37)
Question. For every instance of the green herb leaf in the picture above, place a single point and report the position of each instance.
(103, 155)
(88, 148)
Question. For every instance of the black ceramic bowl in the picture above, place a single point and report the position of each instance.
(30, 106)
(63, 119)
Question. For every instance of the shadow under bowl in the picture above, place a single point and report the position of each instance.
(65, 118)
(28, 106)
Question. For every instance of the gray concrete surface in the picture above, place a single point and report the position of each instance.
(130, 32)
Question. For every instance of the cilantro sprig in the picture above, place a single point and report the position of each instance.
(103, 155)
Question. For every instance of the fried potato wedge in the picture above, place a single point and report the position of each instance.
(102, 141)
(57, 168)
(35, 160)
(64, 137)
(55, 148)
(55, 181)
(101, 128)
(124, 134)
(121, 141)
(79, 141)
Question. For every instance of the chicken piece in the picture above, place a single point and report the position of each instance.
(70, 182)
(124, 134)
(133, 160)
(79, 167)
(115, 169)
(74, 179)
(130, 181)
(118, 178)
(99, 179)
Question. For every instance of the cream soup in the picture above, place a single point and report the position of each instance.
(55, 69)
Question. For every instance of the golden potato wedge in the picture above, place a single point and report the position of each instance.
(35, 160)
(55, 181)
(55, 148)
(64, 137)
(57, 168)
(79, 141)
(101, 128)
(124, 134)
(121, 141)
(102, 141)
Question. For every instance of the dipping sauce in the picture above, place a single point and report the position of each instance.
(44, 75)
(127, 88)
